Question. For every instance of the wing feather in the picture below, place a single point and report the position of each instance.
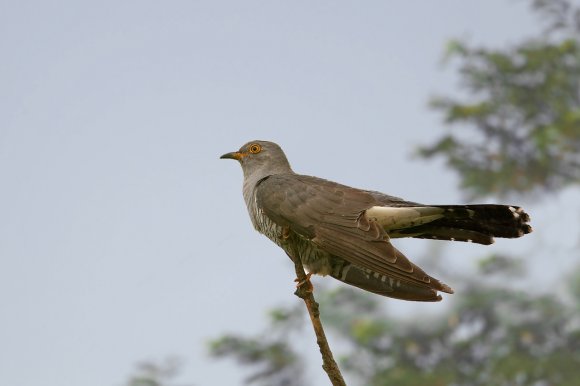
(333, 217)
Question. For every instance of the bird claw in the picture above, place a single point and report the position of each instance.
(304, 285)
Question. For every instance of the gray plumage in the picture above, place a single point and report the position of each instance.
(345, 232)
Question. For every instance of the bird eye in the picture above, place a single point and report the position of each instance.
(255, 148)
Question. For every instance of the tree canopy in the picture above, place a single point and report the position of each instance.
(494, 335)
(517, 130)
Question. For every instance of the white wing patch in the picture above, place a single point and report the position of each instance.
(399, 218)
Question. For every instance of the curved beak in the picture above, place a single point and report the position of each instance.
(233, 155)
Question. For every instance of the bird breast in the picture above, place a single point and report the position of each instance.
(313, 258)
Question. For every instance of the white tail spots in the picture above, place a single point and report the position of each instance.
(452, 238)
(376, 275)
(383, 278)
(515, 212)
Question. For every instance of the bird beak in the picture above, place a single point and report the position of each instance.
(233, 155)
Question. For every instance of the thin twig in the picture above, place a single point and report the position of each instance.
(305, 292)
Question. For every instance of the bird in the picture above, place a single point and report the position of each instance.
(346, 233)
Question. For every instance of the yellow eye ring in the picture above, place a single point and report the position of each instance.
(255, 148)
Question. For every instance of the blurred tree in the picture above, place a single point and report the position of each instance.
(270, 353)
(519, 128)
(156, 373)
(494, 335)
(520, 133)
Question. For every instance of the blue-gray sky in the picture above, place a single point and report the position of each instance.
(122, 235)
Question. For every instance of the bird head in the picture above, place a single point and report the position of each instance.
(261, 157)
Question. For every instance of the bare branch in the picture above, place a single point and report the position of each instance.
(305, 292)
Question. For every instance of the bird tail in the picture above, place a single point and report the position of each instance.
(388, 286)
(471, 223)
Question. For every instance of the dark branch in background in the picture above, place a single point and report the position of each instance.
(305, 292)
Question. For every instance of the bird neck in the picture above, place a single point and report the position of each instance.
(252, 177)
(255, 174)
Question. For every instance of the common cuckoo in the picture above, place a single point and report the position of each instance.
(346, 232)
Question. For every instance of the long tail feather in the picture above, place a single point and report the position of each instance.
(472, 223)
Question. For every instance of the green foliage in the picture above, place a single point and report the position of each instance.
(574, 287)
(270, 354)
(492, 336)
(151, 373)
(496, 264)
(519, 129)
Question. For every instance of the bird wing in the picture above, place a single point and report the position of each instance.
(333, 217)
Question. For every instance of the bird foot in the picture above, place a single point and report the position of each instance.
(304, 286)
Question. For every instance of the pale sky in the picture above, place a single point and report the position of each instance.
(123, 237)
